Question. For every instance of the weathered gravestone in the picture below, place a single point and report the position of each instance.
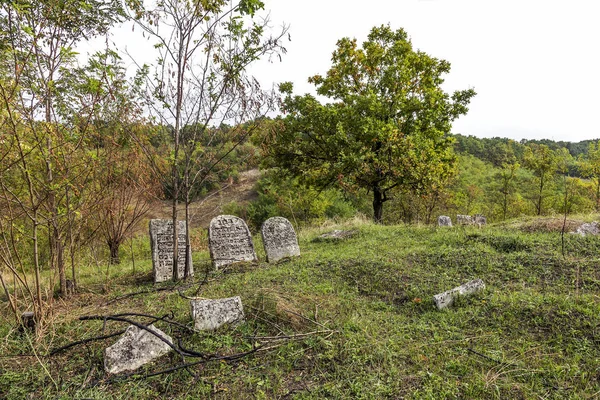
(135, 348)
(211, 314)
(279, 239)
(464, 219)
(229, 241)
(479, 220)
(446, 299)
(444, 220)
(161, 243)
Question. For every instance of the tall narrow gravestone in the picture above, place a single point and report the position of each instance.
(279, 239)
(161, 243)
(229, 241)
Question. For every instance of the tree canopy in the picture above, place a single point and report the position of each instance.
(388, 124)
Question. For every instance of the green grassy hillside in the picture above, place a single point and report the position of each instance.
(348, 319)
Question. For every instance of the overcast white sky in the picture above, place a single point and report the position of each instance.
(535, 64)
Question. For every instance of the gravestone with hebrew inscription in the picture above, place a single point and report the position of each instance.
(444, 220)
(229, 241)
(161, 243)
(279, 239)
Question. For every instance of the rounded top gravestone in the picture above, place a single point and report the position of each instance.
(229, 241)
(279, 239)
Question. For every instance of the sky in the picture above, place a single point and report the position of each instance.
(534, 64)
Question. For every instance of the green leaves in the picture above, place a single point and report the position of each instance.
(387, 127)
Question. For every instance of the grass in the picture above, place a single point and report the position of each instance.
(533, 333)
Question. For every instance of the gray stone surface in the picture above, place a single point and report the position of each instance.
(479, 220)
(135, 348)
(464, 220)
(279, 239)
(161, 243)
(444, 220)
(337, 235)
(588, 229)
(211, 314)
(229, 241)
(446, 299)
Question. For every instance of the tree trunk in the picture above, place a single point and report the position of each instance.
(377, 204)
(539, 205)
(114, 252)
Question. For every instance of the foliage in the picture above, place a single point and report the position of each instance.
(387, 127)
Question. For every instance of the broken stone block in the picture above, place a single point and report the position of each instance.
(28, 321)
(446, 299)
(464, 219)
(588, 229)
(211, 314)
(444, 220)
(135, 348)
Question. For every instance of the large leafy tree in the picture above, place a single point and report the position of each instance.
(387, 126)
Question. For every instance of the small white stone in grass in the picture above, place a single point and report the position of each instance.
(446, 299)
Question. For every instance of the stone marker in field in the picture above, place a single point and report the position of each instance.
(335, 235)
(229, 241)
(479, 220)
(464, 219)
(444, 220)
(592, 228)
(135, 348)
(161, 243)
(279, 239)
(211, 314)
(446, 299)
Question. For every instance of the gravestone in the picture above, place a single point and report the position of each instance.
(464, 220)
(161, 243)
(444, 220)
(446, 299)
(211, 314)
(229, 241)
(479, 220)
(279, 239)
(135, 348)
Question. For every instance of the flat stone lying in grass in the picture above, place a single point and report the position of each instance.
(161, 243)
(135, 348)
(279, 239)
(212, 314)
(446, 299)
(444, 220)
(588, 229)
(336, 235)
(229, 241)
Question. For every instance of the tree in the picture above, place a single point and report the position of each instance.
(200, 81)
(387, 127)
(543, 163)
(590, 168)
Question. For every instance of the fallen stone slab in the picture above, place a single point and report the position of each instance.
(211, 314)
(446, 299)
(336, 235)
(588, 229)
(135, 348)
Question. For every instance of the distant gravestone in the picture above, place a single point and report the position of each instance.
(211, 314)
(229, 241)
(444, 220)
(479, 220)
(464, 220)
(161, 243)
(279, 239)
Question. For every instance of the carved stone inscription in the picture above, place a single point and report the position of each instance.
(279, 239)
(161, 242)
(229, 241)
